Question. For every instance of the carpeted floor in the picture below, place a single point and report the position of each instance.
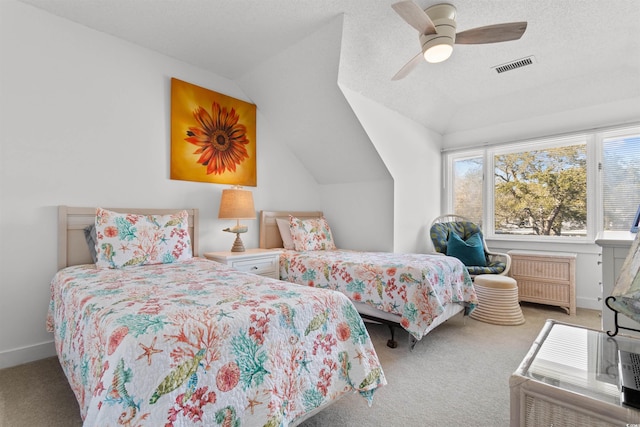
(458, 375)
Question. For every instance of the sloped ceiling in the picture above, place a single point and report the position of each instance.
(586, 52)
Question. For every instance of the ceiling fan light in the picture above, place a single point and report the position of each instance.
(438, 53)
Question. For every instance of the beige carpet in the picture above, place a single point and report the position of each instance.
(458, 375)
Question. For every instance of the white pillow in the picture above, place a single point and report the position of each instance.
(285, 233)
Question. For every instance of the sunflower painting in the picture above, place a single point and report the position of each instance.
(213, 136)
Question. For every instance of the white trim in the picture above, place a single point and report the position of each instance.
(621, 129)
(21, 355)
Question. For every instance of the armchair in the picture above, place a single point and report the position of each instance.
(441, 227)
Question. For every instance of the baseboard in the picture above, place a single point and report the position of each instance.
(589, 303)
(18, 356)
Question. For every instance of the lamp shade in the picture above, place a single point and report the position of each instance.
(236, 204)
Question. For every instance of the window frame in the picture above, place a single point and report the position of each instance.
(594, 150)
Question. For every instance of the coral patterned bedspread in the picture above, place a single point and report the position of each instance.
(416, 287)
(197, 343)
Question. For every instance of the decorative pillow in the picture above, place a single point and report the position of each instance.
(311, 234)
(124, 239)
(470, 252)
(285, 233)
(90, 237)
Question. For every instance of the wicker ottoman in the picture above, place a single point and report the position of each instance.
(497, 300)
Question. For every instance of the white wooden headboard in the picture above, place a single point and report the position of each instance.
(72, 245)
(269, 233)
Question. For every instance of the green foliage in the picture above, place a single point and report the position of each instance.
(544, 190)
(468, 181)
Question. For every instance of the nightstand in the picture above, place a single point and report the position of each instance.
(264, 262)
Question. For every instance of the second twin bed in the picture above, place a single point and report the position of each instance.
(415, 291)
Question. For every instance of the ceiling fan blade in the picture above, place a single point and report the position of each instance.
(492, 33)
(415, 16)
(408, 67)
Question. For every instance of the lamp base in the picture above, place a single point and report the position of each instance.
(238, 246)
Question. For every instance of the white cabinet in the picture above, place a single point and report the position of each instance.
(615, 247)
(264, 262)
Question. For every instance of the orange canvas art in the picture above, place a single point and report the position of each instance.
(213, 136)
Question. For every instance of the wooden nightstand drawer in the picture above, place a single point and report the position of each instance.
(264, 262)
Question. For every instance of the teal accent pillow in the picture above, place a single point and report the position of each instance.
(470, 252)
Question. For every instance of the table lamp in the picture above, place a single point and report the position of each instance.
(237, 204)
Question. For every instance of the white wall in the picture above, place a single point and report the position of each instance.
(361, 214)
(412, 154)
(535, 126)
(85, 121)
(297, 90)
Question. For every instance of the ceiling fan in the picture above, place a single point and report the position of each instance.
(436, 26)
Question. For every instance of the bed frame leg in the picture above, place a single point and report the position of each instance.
(392, 343)
(412, 342)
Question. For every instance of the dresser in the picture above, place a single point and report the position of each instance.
(264, 262)
(545, 278)
(615, 247)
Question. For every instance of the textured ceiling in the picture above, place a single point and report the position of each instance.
(587, 52)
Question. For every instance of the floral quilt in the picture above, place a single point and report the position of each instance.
(416, 287)
(198, 343)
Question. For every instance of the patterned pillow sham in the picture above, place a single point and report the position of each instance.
(311, 234)
(124, 239)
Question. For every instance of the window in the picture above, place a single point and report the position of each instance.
(560, 188)
(621, 181)
(467, 183)
(541, 191)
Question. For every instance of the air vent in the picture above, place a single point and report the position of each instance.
(519, 63)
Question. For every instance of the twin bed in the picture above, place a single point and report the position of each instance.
(414, 291)
(162, 337)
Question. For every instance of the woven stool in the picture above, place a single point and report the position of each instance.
(497, 300)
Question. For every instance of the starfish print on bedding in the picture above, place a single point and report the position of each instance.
(223, 313)
(253, 403)
(149, 350)
(359, 356)
(304, 362)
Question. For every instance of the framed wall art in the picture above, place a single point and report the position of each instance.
(213, 136)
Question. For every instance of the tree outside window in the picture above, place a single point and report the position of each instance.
(541, 192)
(467, 182)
